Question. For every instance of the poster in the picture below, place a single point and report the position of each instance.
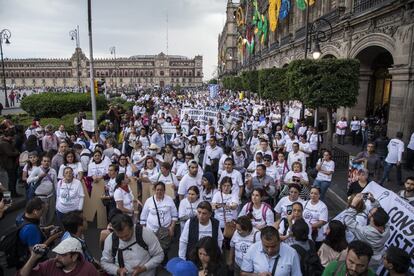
(353, 170)
(88, 125)
(401, 220)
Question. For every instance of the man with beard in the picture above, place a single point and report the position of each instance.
(356, 262)
(68, 261)
(408, 192)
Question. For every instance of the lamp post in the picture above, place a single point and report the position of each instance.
(74, 35)
(5, 35)
(319, 31)
(113, 52)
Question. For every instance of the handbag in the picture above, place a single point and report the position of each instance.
(229, 226)
(163, 233)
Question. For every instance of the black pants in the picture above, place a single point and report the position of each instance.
(12, 175)
(410, 159)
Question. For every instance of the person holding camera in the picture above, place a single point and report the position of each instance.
(68, 261)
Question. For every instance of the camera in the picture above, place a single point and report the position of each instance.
(365, 196)
(39, 250)
(7, 198)
(289, 209)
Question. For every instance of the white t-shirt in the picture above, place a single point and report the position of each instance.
(326, 166)
(187, 210)
(187, 181)
(282, 206)
(314, 213)
(290, 174)
(291, 240)
(241, 244)
(228, 199)
(76, 167)
(127, 198)
(205, 196)
(341, 127)
(100, 169)
(126, 170)
(262, 216)
(355, 125)
(236, 179)
(411, 142)
(166, 210)
(170, 179)
(69, 196)
(110, 185)
(395, 150)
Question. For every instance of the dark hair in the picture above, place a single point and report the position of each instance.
(399, 135)
(296, 186)
(297, 203)
(166, 165)
(361, 248)
(119, 221)
(229, 159)
(268, 233)
(259, 190)
(399, 259)
(115, 166)
(212, 250)
(31, 143)
(245, 223)
(146, 161)
(118, 180)
(380, 217)
(69, 151)
(409, 178)
(72, 220)
(336, 239)
(194, 189)
(34, 204)
(123, 155)
(226, 179)
(205, 205)
(159, 183)
(261, 166)
(300, 230)
(189, 154)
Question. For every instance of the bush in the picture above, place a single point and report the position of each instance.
(119, 101)
(55, 105)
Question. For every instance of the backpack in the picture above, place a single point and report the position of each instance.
(15, 251)
(138, 239)
(264, 209)
(310, 264)
(23, 158)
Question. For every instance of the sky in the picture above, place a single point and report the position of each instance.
(40, 28)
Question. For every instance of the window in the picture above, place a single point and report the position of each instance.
(161, 73)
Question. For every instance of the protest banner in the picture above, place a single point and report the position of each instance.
(353, 169)
(401, 220)
(203, 115)
(88, 125)
(168, 129)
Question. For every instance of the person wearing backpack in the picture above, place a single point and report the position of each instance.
(310, 263)
(260, 213)
(131, 249)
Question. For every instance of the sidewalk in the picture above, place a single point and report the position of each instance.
(338, 189)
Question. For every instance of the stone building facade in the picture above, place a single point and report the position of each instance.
(379, 33)
(149, 70)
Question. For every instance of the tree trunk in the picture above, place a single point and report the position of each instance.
(329, 129)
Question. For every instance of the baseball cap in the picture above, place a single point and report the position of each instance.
(180, 267)
(68, 245)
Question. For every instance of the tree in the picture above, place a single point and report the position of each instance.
(250, 81)
(212, 81)
(328, 83)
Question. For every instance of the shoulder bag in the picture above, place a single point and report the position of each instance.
(163, 233)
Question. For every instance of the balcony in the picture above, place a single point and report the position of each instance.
(286, 40)
(361, 6)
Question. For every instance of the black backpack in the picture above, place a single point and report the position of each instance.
(15, 251)
(310, 264)
(138, 240)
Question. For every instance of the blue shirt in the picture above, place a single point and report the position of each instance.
(30, 235)
(256, 261)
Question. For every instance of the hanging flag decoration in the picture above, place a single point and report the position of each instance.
(240, 20)
(284, 9)
(301, 4)
(274, 11)
(261, 23)
(310, 2)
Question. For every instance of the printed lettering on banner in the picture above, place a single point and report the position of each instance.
(401, 219)
(169, 129)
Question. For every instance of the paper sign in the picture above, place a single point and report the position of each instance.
(88, 125)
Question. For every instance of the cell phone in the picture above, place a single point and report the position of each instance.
(7, 198)
(289, 209)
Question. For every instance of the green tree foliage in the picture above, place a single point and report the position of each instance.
(273, 84)
(250, 81)
(56, 105)
(212, 81)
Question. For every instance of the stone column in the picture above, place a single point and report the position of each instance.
(360, 107)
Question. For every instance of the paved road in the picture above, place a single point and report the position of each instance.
(13, 110)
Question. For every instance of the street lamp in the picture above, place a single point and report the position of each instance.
(320, 31)
(74, 35)
(316, 53)
(5, 35)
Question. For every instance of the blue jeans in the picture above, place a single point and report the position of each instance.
(387, 169)
(323, 186)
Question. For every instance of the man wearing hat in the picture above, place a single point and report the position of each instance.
(68, 261)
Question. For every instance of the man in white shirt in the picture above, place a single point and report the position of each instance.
(394, 156)
(270, 256)
(192, 178)
(236, 177)
(296, 155)
(410, 153)
(212, 156)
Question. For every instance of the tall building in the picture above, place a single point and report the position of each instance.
(379, 33)
(227, 42)
(143, 70)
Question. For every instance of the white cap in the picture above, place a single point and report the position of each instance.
(68, 245)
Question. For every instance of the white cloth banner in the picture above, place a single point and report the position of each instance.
(203, 115)
(169, 129)
(88, 125)
(401, 219)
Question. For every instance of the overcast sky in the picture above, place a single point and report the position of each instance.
(40, 28)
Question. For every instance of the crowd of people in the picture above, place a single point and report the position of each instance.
(242, 192)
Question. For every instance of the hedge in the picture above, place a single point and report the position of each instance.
(55, 105)
(26, 120)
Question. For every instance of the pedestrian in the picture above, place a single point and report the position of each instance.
(394, 158)
(208, 258)
(271, 256)
(397, 261)
(356, 263)
(8, 160)
(370, 160)
(260, 213)
(355, 126)
(410, 153)
(325, 167)
(68, 261)
(334, 247)
(130, 249)
(408, 192)
(341, 127)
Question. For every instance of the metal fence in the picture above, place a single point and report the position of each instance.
(340, 157)
(365, 5)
